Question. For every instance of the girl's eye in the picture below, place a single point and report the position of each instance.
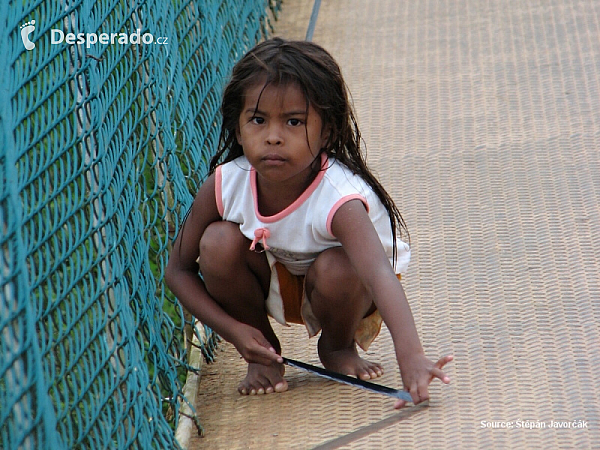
(257, 120)
(295, 122)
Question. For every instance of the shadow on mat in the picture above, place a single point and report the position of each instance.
(369, 429)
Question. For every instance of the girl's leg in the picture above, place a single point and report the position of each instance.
(340, 301)
(238, 279)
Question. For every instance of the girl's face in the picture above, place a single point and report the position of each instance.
(280, 138)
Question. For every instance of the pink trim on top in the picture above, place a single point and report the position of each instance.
(337, 206)
(297, 203)
(219, 190)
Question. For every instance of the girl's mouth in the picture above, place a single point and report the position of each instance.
(273, 159)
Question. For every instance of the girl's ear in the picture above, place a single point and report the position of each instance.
(238, 135)
(326, 134)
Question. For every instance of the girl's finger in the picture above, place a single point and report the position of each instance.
(262, 341)
(399, 404)
(423, 390)
(266, 350)
(265, 357)
(443, 361)
(277, 356)
(438, 373)
(414, 393)
(260, 359)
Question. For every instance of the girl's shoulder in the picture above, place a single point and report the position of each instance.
(343, 179)
(233, 172)
(239, 163)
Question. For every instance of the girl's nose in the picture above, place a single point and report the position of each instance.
(274, 136)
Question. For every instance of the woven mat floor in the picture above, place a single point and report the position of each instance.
(482, 118)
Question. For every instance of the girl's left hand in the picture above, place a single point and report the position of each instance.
(417, 373)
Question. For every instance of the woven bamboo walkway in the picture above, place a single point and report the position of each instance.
(482, 117)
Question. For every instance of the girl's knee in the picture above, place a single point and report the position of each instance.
(336, 293)
(333, 276)
(221, 247)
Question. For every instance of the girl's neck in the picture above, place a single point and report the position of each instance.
(274, 197)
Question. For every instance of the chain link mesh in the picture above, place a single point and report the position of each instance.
(102, 145)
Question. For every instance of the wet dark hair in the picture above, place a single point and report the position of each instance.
(310, 67)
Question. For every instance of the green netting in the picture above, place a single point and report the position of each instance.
(101, 147)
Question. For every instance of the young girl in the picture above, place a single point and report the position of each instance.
(292, 224)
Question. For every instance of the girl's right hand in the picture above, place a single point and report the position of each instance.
(254, 347)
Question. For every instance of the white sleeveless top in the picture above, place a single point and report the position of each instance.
(299, 233)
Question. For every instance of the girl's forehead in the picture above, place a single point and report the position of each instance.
(261, 95)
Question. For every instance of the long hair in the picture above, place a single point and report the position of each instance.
(309, 66)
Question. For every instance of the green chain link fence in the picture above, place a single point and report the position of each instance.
(102, 145)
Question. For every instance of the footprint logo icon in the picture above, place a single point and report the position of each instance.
(26, 30)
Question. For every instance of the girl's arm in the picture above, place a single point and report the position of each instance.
(181, 276)
(353, 228)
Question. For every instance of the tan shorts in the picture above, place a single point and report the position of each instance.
(287, 303)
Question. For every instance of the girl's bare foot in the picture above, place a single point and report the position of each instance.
(347, 362)
(263, 379)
